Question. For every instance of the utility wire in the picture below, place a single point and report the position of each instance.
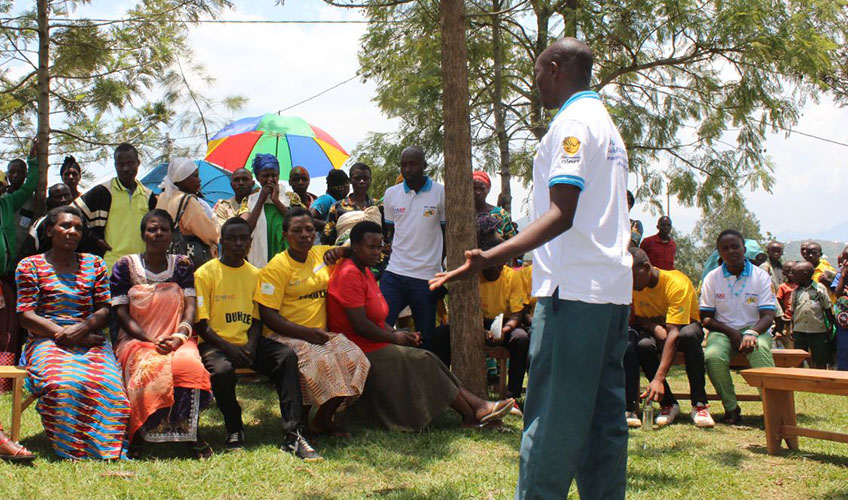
(214, 21)
(318, 94)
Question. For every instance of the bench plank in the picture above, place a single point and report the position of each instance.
(799, 379)
(791, 430)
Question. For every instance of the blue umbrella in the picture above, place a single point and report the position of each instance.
(214, 181)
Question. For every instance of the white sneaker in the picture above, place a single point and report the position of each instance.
(667, 415)
(632, 419)
(701, 416)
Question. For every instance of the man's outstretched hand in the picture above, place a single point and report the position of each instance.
(474, 263)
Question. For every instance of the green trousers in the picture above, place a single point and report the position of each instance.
(717, 357)
(574, 422)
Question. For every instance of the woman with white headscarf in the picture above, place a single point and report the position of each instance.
(179, 199)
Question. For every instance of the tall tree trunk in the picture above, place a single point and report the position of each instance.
(505, 199)
(43, 75)
(466, 317)
(543, 14)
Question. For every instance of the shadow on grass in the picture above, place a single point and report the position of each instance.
(824, 458)
(730, 458)
(662, 450)
(648, 481)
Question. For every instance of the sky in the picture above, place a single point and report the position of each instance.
(277, 66)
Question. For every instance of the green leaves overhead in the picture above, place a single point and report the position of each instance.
(694, 85)
(106, 77)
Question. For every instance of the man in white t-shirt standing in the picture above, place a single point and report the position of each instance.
(573, 416)
(415, 218)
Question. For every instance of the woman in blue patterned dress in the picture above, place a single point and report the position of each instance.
(63, 300)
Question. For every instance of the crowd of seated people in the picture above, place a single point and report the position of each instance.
(136, 310)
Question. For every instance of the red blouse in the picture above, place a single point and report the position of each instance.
(350, 288)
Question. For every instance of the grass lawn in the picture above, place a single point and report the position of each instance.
(444, 462)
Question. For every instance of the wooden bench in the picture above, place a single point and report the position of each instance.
(778, 386)
(19, 404)
(784, 358)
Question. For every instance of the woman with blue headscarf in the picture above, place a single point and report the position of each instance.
(265, 211)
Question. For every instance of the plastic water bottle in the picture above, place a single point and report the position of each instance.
(648, 415)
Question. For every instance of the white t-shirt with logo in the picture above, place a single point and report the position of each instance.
(737, 302)
(589, 262)
(417, 219)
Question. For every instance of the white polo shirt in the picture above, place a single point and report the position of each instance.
(417, 219)
(590, 261)
(737, 302)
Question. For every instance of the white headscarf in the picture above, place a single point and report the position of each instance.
(178, 170)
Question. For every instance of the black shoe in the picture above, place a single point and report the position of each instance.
(732, 417)
(235, 441)
(298, 446)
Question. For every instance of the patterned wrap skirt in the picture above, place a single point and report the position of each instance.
(81, 398)
(335, 369)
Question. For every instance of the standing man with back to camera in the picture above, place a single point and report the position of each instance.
(574, 412)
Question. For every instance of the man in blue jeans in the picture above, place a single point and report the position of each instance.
(415, 217)
(574, 423)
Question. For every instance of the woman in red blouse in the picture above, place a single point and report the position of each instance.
(406, 387)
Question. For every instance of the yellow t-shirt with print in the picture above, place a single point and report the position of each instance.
(296, 289)
(526, 275)
(673, 301)
(505, 295)
(225, 299)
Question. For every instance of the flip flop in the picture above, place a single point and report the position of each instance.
(18, 453)
(501, 409)
(202, 450)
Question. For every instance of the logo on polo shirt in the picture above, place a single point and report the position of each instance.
(751, 298)
(719, 296)
(398, 211)
(571, 145)
(429, 211)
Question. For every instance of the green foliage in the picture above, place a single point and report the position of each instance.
(694, 86)
(111, 82)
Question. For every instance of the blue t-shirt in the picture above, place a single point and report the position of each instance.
(322, 205)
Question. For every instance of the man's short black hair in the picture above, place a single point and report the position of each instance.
(293, 213)
(336, 178)
(125, 147)
(234, 222)
(359, 166)
(17, 161)
(730, 232)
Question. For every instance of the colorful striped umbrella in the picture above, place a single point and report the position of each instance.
(293, 141)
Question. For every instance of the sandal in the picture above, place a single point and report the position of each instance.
(202, 450)
(500, 410)
(11, 451)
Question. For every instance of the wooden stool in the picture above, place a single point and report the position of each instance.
(18, 375)
(500, 355)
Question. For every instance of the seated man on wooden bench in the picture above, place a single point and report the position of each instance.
(665, 320)
(737, 307)
(228, 323)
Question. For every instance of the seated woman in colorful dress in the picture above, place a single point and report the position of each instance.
(406, 387)
(154, 299)
(63, 300)
(291, 294)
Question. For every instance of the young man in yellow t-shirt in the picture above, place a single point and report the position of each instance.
(229, 325)
(666, 319)
(501, 292)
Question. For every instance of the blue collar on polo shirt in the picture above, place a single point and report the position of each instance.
(746, 270)
(428, 183)
(585, 94)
